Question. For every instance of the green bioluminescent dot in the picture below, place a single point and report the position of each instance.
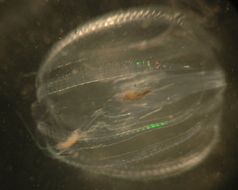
(156, 125)
(139, 62)
(152, 126)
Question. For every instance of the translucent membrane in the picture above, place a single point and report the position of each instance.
(134, 94)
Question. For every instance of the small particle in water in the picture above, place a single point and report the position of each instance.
(186, 66)
(157, 64)
(148, 63)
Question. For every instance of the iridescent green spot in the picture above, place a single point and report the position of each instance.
(155, 125)
(139, 62)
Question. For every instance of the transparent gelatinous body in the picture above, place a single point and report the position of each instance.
(134, 94)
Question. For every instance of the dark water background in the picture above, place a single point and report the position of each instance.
(28, 28)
